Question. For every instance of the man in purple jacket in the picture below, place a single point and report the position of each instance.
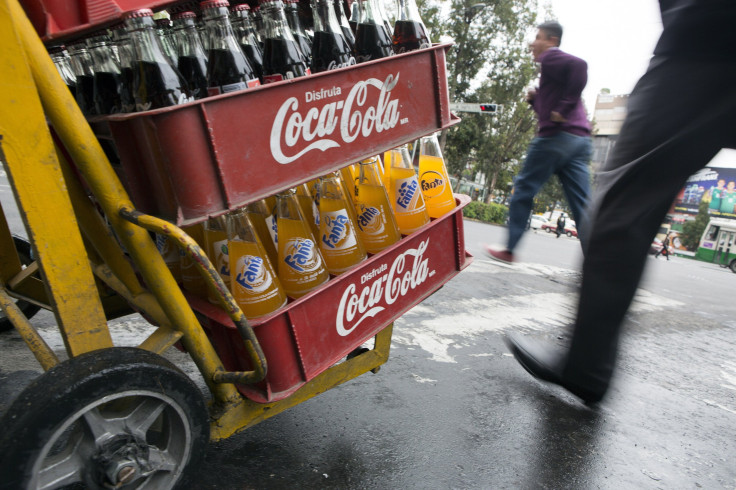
(562, 145)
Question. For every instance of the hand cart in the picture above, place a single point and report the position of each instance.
(121, 417)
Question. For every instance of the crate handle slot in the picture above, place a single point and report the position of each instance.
(194, 251)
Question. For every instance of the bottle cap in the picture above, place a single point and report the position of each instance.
(241, 7)
(212, 4)
(184, 15)
(163, 23)
(268, 2)
(139, 13)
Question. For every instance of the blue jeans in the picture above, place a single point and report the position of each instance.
(563, 154)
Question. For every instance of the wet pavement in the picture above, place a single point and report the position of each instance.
(452, 408)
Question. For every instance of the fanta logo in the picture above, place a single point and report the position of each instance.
(252, 274)
(433, 183)
(354, 116)
(404, 275)
(370, 221)
(223, 260)
(336, 230)
(301, 255)
(405, 193)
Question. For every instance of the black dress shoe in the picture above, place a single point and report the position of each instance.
(544, 363)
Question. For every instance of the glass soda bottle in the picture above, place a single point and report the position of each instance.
(259, 25)
(215, 237)
(64, 67)
(376, 224)
(406, 196)
(191, 58)
(301, 267)
(410, 32)
(342, 20)
(163, 30)
(81, 63)
(282, 59)
(246, 36)
(121, 40)
(156, 82)
(170, 253)
(338, 234)
(331, 49)
(191, 278)
(228, 70)
(433, 178)
(264, 222)
(291, 9)
(107, 81)
(387, 23)
(308, 205)
(253, 281)
(354, 16)
(372, 41)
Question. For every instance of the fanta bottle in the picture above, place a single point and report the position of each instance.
(309, 207)
(313, 187)
(348, 179)
(348, 191)
(387, 170)
(253, 281)
(376, 224)
(300, 265)
(216, 238)
(191, 277)
(406, 196)
(338, 238)
(264, 223)
(271, 204)
(433, 178)
(170, 252)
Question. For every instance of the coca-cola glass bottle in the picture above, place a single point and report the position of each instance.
(260, 26)
(342, 19)
(121, 41)
(282, 59)
(410, 32)
(291, 9)
(228, 69)
(107, 78)
(163, 29)
(81, 63)
(63, 66)
(354, 16)
(246, 36)
(372, 41)
(387, 22)
(190, 55)
(156, 82)
(330, 50)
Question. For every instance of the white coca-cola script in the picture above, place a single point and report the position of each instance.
(408, 271)
(366, 109)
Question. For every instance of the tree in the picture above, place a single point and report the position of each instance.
(490, 62)
(693, 230)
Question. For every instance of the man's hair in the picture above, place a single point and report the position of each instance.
(553, 29)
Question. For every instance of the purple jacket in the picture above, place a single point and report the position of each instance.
(563, 78)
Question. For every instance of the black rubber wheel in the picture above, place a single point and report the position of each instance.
(29, 309)
(569, 234)
(548, 230)
(732, 266)
(120, 416)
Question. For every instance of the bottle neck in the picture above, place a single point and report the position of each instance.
(408, 11)
(81, 62)
(146, 44)
(292, 17)
(219, 31)
(369, 13)
(274, 19)
(325, 19)
(187, 39)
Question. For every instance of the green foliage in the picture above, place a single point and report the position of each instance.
(490, 213)
(693, 230)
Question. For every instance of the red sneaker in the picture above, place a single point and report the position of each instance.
(501, 255)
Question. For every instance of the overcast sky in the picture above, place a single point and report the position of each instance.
(615, 37)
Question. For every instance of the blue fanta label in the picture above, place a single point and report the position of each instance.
(337, 234)
(406, 192)
(300, 255)
(273, 229)
(252, 274)
(370, 220)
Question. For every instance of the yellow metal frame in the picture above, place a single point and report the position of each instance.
(77, 252)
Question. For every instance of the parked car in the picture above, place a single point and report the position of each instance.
(570, 230)
(537, 221)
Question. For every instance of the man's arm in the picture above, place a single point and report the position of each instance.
(576, 77)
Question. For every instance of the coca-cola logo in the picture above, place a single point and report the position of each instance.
(350, 117)
(381, 289)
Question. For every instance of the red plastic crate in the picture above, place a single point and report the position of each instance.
(313, 333)
(188, 162)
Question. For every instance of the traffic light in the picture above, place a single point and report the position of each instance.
(488, 108)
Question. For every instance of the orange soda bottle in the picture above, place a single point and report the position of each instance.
(338, 239)
(406, 196)
(433, 178)
(376, 224)
(301, 267)
(264, 223)
(253, 282)
(170, 253)
(215, 237)
(191, 278)
(308, 207)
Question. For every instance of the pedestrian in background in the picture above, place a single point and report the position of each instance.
(562, 145)
(680, 114)
(560, 225)
(665, 250)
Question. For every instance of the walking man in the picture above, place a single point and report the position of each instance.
(562, 145)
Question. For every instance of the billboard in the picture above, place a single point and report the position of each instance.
(715, 185)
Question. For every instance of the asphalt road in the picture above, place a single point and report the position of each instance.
(452, 409)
